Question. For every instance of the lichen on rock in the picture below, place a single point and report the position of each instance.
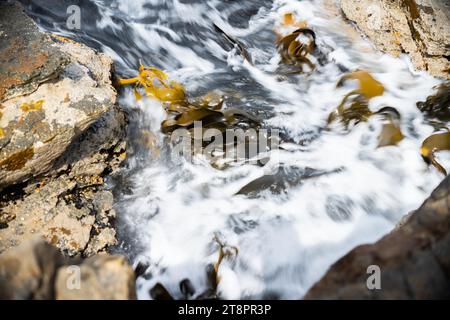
(61, 135)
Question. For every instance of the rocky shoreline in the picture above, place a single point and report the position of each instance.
(62, 135)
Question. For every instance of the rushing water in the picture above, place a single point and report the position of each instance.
(171, 209)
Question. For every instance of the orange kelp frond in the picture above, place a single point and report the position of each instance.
(225, 251)
(355, 104)
(32, 106)
(289, 19)
(369, 87)
(295, 47)
(436, 142)
(155, 84)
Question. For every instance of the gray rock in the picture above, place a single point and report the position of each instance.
(27, 56)
(41, 119)
(37, 270)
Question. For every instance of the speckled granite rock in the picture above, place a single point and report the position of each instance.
(37, 270)
(414, 259)
(417, 27)
(61, 135)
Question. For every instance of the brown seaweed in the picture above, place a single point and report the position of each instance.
(234, 43)
(354, 107)
(391, 134)
(155, 84)
(295, 51)
(437, 106)
(436, 142)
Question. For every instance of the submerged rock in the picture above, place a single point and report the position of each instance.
(417, 27)
(61, 135)
(414, 259)
(37, 270)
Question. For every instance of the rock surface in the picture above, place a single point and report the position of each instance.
(61, 135)
(101, 277)
(417, 27)
(41, 118)
(414, 259)
(37, 270)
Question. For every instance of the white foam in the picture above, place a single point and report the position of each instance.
(286, 241)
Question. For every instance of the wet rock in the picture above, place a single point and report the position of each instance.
(140, 269)
(159, 292)
(187, 288)
(59, 139)
(38, 270)
(417, 27)
(413, 259)
(99, 242)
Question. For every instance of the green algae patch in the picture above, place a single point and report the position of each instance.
(17, 160)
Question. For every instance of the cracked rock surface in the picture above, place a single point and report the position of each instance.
(419, 28)
(61, 136)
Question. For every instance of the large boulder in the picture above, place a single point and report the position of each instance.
(61, 136)
(417, 27)
(413, 260)
(101, 277)
(37, 270)
(41, 118)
